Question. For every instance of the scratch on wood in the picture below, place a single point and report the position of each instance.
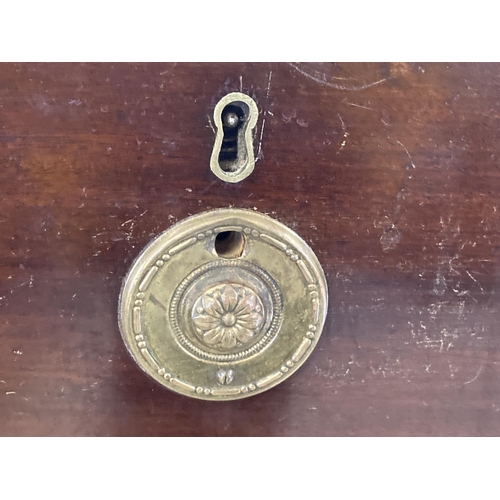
(168, 70)
(210, 123)
(356, 105)
(346, 134)
(265, 114)
(475, 280)
(268, 84)
(390, 238)
(407, 152)
(335, 85)
(473, 379)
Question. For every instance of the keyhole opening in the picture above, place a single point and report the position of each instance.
(233, 151)
(229, 244)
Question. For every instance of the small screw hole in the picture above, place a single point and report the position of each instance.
(229, 244)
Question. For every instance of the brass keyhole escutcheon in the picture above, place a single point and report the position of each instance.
(223, 305)
(235, 117)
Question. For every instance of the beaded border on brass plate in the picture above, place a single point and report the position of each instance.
(226, 391)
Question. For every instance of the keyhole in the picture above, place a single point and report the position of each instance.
(233, 151)
(229, 244)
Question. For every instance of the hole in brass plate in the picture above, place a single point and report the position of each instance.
(229, 244)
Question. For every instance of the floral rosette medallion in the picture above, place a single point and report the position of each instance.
(228, 315)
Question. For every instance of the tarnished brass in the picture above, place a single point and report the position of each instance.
(235, 117)
(223, 305)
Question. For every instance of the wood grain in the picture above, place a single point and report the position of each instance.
(391, 172)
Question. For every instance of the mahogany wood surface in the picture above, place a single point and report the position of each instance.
(391, 172)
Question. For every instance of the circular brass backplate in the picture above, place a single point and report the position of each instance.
(222, 321)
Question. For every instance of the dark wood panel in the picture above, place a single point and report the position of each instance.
(390, 171)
